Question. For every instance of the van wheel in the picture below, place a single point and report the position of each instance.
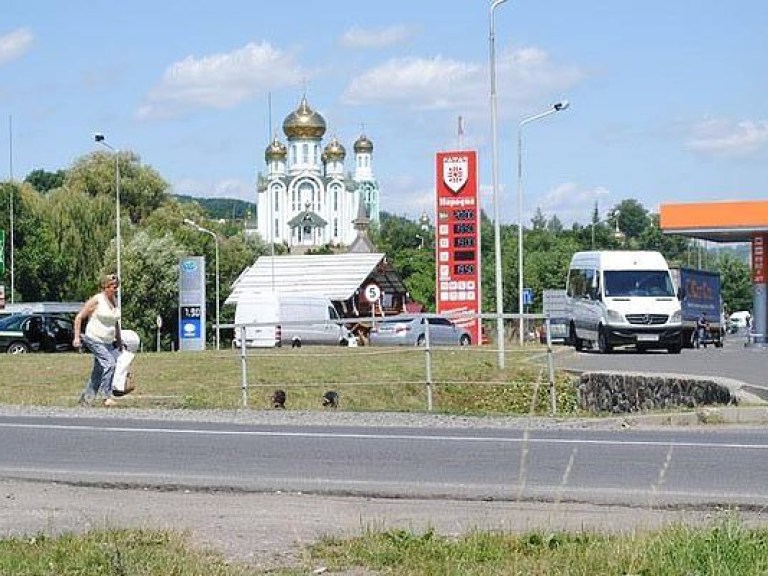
(421, 340)
(296, 343)
(602, 341)
(575, 341)
(465, 340)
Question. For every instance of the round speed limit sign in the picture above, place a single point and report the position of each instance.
(372, 293)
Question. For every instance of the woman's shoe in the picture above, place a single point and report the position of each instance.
(109, 402)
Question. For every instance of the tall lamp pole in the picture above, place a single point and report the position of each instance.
(99, 138)
(199, 228)
(559, 107)
(12, 190)
(495, 180)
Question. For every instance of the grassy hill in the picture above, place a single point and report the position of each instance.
(226, 208)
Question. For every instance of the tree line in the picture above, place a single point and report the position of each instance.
(64, 240)
(547, 250)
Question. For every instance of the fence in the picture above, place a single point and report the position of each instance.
(538, 327)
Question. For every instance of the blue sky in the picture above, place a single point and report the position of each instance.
(668, 98)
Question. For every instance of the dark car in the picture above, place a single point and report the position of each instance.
(40, 332)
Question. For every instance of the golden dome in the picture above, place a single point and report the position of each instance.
(304, 122)
(363, 144)
(334, 151)
(275, 151)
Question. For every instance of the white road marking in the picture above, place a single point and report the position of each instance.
(364, 436)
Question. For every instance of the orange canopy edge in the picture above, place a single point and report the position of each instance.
(720, 221)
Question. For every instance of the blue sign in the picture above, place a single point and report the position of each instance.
(192, 303)
(527, 296)
(190, 328)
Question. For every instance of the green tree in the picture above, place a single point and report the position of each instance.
(150, 285)
(735, 283)
(38, 266)
(633, 217)
(83, 231)
(44, 181)
(142, 190)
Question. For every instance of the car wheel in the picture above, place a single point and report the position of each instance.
(17, 348)
(465, 340)
(602, 341)
(674, 349)
(421, 340)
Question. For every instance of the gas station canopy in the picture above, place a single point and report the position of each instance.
(716, 221)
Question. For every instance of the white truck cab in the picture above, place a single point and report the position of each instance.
(622, 297)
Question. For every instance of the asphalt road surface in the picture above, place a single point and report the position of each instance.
(628, 467)
(735, 361)
(257, 492)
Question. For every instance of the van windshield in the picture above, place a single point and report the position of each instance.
(638, 283)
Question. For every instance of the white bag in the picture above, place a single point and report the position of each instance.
(120, 381)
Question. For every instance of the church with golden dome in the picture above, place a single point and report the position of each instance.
(306, 196)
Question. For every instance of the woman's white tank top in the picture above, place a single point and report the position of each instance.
(101, 324)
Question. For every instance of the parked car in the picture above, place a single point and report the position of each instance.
(739, 320)
(22, 333)
(411, 331)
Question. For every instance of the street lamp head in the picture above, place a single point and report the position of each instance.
(190, 222)
(562, 105)
(98, 137)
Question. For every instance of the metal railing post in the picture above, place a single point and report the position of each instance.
(428, 360)
(551, 367)
(243, 368)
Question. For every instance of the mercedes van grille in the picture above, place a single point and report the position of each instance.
(648, 319)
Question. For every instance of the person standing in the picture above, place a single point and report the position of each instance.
(702, 330)
(102, 333)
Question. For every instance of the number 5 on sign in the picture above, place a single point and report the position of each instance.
(372, 293)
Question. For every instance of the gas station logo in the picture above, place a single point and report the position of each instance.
(455, 172)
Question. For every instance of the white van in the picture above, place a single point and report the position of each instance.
(622, 297)
(289, 319)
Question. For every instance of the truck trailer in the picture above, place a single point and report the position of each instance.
(699, 292)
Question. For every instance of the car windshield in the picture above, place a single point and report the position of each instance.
(12, 322)
(638, 283)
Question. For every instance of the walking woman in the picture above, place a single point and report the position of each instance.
(102, 333)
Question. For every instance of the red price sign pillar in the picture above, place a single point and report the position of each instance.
(457, 239)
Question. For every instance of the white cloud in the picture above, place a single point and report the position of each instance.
(374, 38)
(221, 80)
(413, 81)
(724, 138)
(408, 196)
(523, 76)
(572, 203)
(15, 44)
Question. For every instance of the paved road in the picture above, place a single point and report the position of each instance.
(616, 466)
(733, 360)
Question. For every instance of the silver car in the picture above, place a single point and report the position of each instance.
(411, 331)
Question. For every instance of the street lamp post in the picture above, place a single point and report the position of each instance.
(559, 107)
(216, 245)
(99, 138)
(495, 181)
